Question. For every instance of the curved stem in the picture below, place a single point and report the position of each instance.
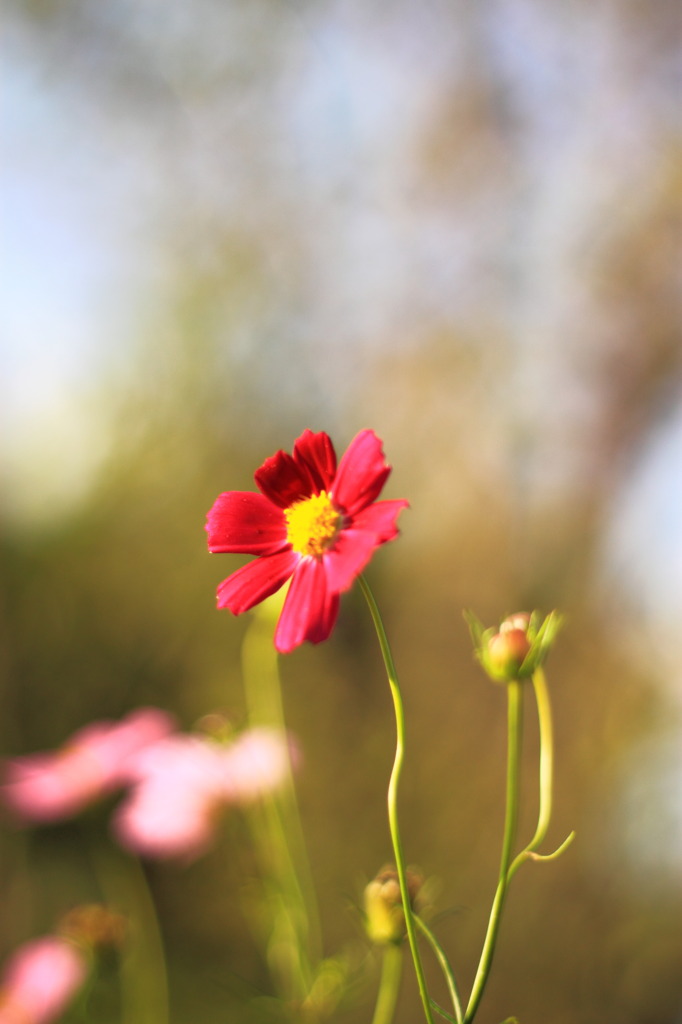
(514, 729)
(546, 774)
(389, 986)
(392, 798)
(546, 757)
(445, 966)
(542, 858)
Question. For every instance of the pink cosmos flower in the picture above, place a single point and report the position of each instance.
(177, 788)
(313, 523)
(40, 980)
(51, 786)
(182, 783)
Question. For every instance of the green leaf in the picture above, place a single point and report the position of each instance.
(443, 1013)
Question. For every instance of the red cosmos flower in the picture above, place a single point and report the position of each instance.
(314, 523)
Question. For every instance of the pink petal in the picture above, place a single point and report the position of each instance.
(156, 823)
(177, 788)
(50, 787)
(310, 608)
(242, 521)
(283, 480)
(40, 981)
(362, 473)
(315, 452)
(139, 730)
(179, 762)
(256, 763)
(256, 581)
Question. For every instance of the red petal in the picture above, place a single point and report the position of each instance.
(310, 608)
(243, 521)
(315, 452)
(362, 473)
(283, 480)
(355, 544)
(379, 519)
(256, 581)
(345, 561)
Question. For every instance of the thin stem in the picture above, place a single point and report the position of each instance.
(514, 730)
(392, 798)
(389, 985)
(444, 964)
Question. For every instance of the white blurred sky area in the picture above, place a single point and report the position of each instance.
(84, 188)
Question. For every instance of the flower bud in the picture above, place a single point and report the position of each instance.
(518, 648)
(521, 620)
(507, 651)
(94, 927)
(385, 920)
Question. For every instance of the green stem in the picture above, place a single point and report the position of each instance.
(389, 986)
(445, 966)
(546, 770)
(144, 982)
(392, 798)
(546, 760)
(514, 730)
(277, 826)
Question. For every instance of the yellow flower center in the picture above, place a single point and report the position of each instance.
(312, 524)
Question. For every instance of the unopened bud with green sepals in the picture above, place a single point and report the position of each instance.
(517, 648)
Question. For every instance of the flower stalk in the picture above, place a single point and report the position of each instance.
(144, 975)
(510, 656)
(392, 797)
(514, 731)
(277, 826)
(389, 986)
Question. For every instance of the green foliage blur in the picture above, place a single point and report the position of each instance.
(511, 447)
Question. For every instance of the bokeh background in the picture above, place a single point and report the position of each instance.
(456, 223)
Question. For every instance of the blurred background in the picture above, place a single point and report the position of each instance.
(457, 224)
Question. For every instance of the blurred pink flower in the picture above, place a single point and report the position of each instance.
(50, 786)
(177, 785)
(182, 783)
(256, 763)
(40, 980)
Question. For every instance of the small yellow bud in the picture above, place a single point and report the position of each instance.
(385, 919)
